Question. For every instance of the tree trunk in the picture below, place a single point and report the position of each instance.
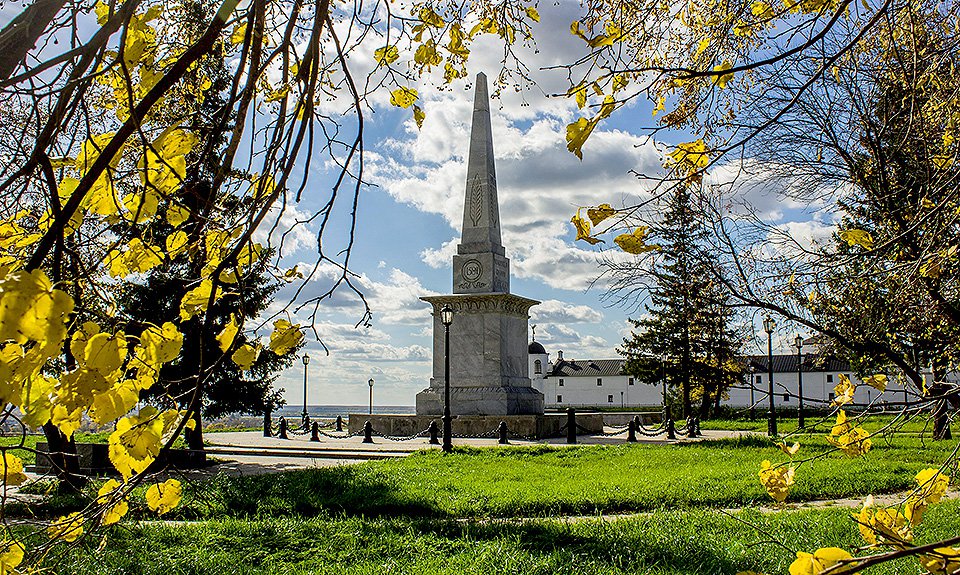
(194, 436)
(22, 33)
(63, 458)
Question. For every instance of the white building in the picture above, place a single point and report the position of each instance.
(602, 383)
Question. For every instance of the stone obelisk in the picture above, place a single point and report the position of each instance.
(488, 337)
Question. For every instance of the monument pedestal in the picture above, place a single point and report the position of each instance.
(480, 400)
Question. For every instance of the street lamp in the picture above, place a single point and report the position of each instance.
(304, 416)
(663, 381)
(446, 318)
(768, 326)
(370, 383)
(798, 342)
(753, 403)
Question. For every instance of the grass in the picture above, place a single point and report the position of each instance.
(699, 542)
(541, 481)
(25, 445)
(917, 424)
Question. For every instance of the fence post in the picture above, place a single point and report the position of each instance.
(434, 432)
(283, 428)
(571, 425)
(339, 423)
(267, 424)
(699, 434)
(631, 431)
(502, 430)
(315, 432)
(368, 432)
(636, 422)
(671, 429)
(692, 427)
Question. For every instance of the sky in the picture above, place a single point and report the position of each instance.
(409, 224)
(410, 212)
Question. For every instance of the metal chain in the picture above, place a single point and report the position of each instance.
(332, 436)
(417, 435)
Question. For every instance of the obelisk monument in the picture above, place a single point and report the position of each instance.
(488, 336)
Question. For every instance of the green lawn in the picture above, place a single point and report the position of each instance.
(667, 542)
(541, 481)
(915, 424)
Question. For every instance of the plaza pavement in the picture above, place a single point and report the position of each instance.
(248, 452)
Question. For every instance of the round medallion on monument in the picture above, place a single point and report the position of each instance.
(471, 270)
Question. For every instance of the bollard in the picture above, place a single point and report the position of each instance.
(306, 422)
(283, 429)
(631, 432)
(671, 429)
(267, 424)
(434, 432)
(697, 427)
(368, 432)
(636, 422)
(339, 423)
(315, 432)
(691, 427)
(502, 430)
(571, 425)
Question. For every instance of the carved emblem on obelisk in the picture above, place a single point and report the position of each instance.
(476, 201)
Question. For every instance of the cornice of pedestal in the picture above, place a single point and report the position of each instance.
(483, 303)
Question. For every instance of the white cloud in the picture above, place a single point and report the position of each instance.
(556, 311)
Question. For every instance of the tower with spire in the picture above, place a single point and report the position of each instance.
(488, 338)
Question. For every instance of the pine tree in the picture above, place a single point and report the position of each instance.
(687, 328)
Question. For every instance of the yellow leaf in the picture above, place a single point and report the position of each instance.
(932, 485)
(878, 381)
(819, 561)
(583, 229)
(856, 237)
(162, 497)
(386, 55)
(236, 37)
(691, 156)
(176, 243)
(600, 213)
(722, 79)
(777, 481)
(532, 13)
(245, 355)
(942, 560)
(762, 10)
(11, 555)
(431, 18)
(635, 242)
(620, 82)
(32, 310)
(418, 116)
(843, 391)
(68, 527)
(196, 300)
(12, 470)
(135, 443)
(403, 97)
(791, 450)
(285, 336)
(115, 402)
(577, 134)
(160, 345)
(580, 93)
(228, 334)
(176, 215)
(105, 495)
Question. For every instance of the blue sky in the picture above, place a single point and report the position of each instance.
(409, 219)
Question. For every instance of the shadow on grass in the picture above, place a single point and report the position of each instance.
(347, 491)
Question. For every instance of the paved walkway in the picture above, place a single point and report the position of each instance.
(249, 452)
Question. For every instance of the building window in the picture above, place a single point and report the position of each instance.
(599, 381)
(830, 397)
(630, 381)
(538, 367)
(610, 399)
(759, 379)
(829, 378)
(561, 383)
(786, 397)
(559, 399)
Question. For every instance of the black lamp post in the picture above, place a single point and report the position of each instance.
(446, 318)
(663, 381)
(370, 383)
(798, 341)
(753, 385)
(768, 326)
(303, 416)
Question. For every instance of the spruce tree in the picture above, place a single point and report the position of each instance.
(687, 327)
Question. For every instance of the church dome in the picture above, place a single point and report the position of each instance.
(536, 349)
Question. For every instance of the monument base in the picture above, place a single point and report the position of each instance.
(505, 400)
(532, 426)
